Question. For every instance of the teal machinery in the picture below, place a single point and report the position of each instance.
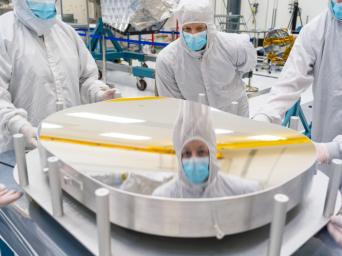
(121, 20)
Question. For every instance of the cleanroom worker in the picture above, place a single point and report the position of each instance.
(205, 61)
(315, 60)
(43, 63)
(194, 141)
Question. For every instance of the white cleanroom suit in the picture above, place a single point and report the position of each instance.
(194, 123)
(42, 62)
(215, 71)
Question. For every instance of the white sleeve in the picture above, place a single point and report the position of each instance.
(297, 75)
(335, 148)
(166, 82)
(239, 51)
(237, 186)
(90, 85)
(164, 190)
(11, 118)
(246, 55)
(168, 190)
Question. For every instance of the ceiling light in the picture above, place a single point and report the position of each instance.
(266, 138)
(106, 118)
(223, 131)
(215, 109)
(124, 136)
(51, 126)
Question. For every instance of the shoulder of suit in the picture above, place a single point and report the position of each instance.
(319, 18)
(231, 40)
(315, 29)
(169, 53)
(66, 28)
(167, 190)
(7, 22)
(6, 18)
(318, 22)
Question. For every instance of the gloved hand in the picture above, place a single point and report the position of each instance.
(30, 134)
(262, 118)
(335, 228)
(8, 196)
(322, 153)
(105, 95)
(326, 152)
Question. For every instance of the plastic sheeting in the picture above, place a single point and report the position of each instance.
(140, 14)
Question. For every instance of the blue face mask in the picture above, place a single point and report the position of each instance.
(44, 10)
(337, 9)
(195, 42)
(196, 169)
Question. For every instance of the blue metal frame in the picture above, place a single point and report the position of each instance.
(116, 53)
(297, 110)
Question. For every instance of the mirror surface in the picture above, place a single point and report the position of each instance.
(175, 149)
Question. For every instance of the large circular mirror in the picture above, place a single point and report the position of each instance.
(172, 148)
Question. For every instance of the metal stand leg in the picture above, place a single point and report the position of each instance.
(334, 185)
(19, 148)
(42, 158)
(202, 98)
(88, 23)
(55, 187)
(60, 106)
(294, 123)
(156, 93)
(61, 6)
(235, 107)
(249, 87)
(278, 224)
(103, 221)
(104, 59)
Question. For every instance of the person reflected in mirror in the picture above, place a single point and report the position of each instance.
(194, 141)
(8, 196)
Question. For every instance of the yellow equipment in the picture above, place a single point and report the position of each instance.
(278, 44)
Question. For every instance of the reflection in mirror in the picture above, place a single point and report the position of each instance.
(171, 148)
(199, 176)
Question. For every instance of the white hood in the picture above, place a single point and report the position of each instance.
(194, 123)
(25, 15)
(197, 11)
